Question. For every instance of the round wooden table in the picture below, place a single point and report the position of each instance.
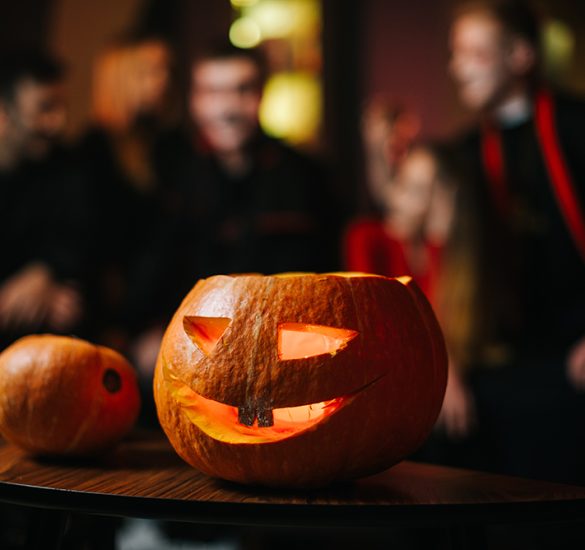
(143, 477)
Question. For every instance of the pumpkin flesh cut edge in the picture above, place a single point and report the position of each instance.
(220, 421)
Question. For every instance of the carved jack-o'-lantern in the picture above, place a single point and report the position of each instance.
(300, 379)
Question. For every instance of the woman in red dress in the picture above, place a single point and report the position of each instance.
(408, 238)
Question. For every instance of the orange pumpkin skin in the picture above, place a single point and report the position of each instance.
(383, 389)
(65, 396)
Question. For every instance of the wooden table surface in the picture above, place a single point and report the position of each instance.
(143, 477)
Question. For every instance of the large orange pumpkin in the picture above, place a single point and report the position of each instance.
(300, 379)
(65, 396)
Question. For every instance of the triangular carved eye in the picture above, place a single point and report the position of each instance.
(300, 340)
(205, 332)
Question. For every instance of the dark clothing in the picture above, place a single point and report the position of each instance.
(43, 218)
(280, 216)
(532, 284)
(128, 211)
(530, 259)
(40, 205)
(124, 221)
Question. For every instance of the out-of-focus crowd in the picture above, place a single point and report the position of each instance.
(103, 238)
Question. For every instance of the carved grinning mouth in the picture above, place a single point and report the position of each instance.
(222, 422)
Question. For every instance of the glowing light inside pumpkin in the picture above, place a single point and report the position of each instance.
(354, 274)
(300, 340)
(344, 274)
(220, 421)
(205, 331)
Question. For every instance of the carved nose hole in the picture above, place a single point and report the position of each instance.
(112, 381)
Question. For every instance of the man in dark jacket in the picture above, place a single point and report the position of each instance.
(237, 201)
(522, 191)
(244, 202)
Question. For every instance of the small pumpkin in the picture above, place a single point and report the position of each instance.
(65, 396)
(300, 379)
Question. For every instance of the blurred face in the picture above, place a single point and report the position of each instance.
(37, 117)
(225, 98)
(409, 196)
(480, 60)
(151, 76)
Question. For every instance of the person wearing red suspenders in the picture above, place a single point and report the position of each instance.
(522, 220)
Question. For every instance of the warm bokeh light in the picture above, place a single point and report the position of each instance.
(245, 33)
(282, 18)
(291, 107)
(243, 3)
(559, 46)
(289, 33)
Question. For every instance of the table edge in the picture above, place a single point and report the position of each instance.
(262, 514)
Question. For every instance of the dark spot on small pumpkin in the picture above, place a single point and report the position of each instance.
(112, 381)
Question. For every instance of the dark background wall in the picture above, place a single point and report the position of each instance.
(24, 23)
(405, 55)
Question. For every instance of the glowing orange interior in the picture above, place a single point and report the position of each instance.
(220, 421)
(345, 274)
(301, 340)
(205, 331)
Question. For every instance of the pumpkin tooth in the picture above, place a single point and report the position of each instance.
(246, 415)
(265, 418)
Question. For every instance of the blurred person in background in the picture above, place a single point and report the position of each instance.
(131, 111)
(412, 191)
(408, 238)
(42, 205)
(248, 202)
(515, 317)
(240, 201)
(263, 206)
(388, 131)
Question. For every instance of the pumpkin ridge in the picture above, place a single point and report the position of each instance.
(254, 402)
(436, 339)
(89, 419)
